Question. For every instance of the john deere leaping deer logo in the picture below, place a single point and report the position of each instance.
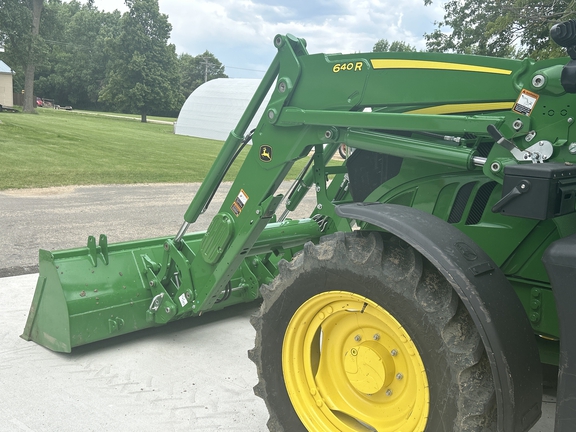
(265, 153)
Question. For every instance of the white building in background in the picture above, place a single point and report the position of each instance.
(213, 110)
(6, 91)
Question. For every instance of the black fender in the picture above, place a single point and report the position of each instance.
(560, 262)
(487, 294)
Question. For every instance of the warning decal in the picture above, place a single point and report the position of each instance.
(239, 202)
(183, 300)
(526, 102)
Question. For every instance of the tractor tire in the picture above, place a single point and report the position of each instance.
(361, 333)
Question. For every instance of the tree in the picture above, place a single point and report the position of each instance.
(504, 28)
(397, 46)
(194, 71)
(75, 65)
(143, 72)
(20, 33)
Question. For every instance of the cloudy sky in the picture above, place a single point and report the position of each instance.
(240, 32)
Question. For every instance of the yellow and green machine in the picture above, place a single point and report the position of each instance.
(434, 276)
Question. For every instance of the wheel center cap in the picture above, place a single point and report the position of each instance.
(369, 367)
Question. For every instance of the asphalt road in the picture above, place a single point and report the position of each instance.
(63, 217)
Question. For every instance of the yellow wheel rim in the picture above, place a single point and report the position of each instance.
(349, 365)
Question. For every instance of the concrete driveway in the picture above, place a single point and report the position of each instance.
(190, 375)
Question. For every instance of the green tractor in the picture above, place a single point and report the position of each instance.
(433, 278)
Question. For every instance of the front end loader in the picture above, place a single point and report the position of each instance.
(433, 278)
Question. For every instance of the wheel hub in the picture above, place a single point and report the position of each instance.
(349, 365)
(369, 367)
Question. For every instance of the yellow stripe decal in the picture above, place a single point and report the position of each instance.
(463, 108)
(425, 64)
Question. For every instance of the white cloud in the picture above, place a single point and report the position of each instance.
(240, 32)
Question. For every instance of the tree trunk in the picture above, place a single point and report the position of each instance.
(29, 102)
(143, 118)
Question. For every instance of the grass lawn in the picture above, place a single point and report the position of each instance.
(60, 148)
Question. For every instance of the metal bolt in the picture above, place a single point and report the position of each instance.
(399, 376)
(167, 310)
(318, 189)
(257, 212)
(152, 283)
(517, 125)
(282, 87)
(495, 167)
(271, 114)
(538, 81)
(388, 392)
(357, 338)
(570, 120)
(328, 134)
(376, 336)
(166, 246)
(572, 148)
(393, 353)
(319, 206)
(188, 295)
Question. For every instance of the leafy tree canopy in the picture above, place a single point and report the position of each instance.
(397, 46)
(194, 71)
(92, 59)
(20, 33)
(142, 76)
(504, 28)
(74, 70)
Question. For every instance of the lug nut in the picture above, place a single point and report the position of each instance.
(357, 338)
(376, 337)
(399, 376)
(393, 353)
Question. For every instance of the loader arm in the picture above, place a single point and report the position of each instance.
(484, 144)
(318, 101)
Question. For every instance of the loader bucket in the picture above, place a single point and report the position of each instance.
(88, 294)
